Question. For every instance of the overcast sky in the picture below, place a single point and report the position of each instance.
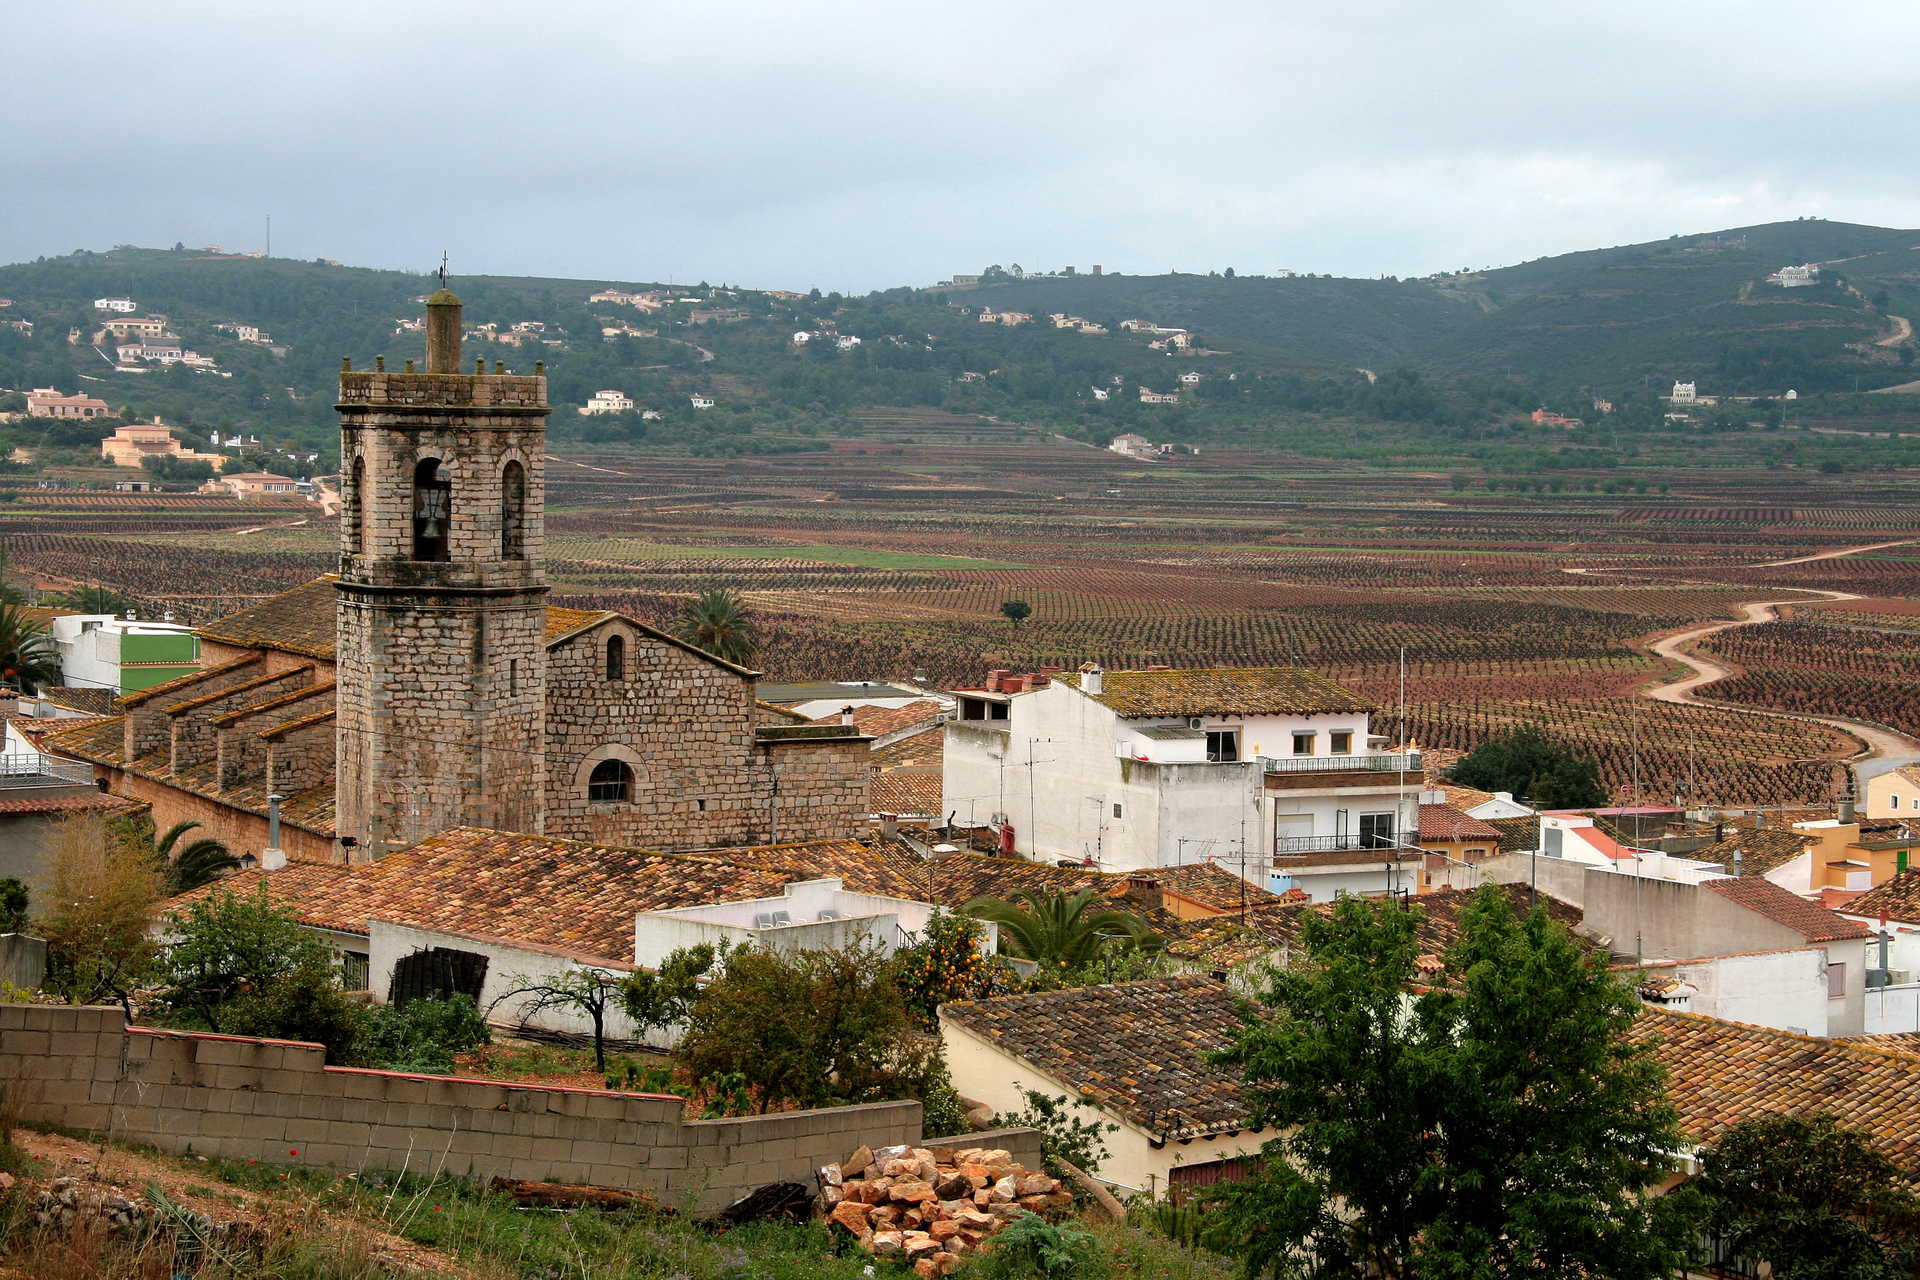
(865, 144)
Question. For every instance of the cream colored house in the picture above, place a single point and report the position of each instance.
(1131, 1054)
(1894, 794)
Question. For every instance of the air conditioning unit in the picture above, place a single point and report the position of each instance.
(1194, 722)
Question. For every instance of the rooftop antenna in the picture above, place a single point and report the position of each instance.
(443, 268)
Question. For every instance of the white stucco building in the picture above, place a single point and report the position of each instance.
(1269, 771)
(607, 402)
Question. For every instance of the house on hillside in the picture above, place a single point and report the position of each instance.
(700, 402)
(1807, 273)
(124, 306)
(1149, 396)
(607, 402)
(46, 402)
(1129, 445)
(137, 326)
(1270, 770)
(1894, 794)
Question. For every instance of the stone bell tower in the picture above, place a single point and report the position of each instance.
(441, 701)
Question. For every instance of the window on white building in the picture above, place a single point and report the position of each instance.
(1376, 830)
(1303, 742)
(1342, 743)
(1836, 980)
(1223, 744)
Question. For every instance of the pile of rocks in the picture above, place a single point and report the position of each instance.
(932, 1206)
(68, 1202)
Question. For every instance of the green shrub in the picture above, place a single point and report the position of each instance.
(421, 1035)
(1031, 1246)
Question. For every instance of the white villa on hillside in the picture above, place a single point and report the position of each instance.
(1268, 771)
(607, 402)
(1796, 277)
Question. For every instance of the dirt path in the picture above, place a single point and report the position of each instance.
(1883, 749)
(1902, 330)
(57, 1156)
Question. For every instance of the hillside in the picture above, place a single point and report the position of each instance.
(1367, 323)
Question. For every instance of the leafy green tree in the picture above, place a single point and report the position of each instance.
(653, 1000)
(719, 622)
(197, 862)
(811, 1028)
(239, 965)
(1016, 611)
(13, 905)
(1532, 765)
(1065, 1134)
(1809, 1197)
(96, 917)
(1064, 931)
(944, 963)
(1499, 1125)
(28, 659)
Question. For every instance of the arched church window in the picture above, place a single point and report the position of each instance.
(432, 510)
(616, 658)
(353, 510)
(611, 782)
(513, 512)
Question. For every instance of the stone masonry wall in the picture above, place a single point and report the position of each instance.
(683, 725)
(823, 786)
(239, 829)
(276, 1102)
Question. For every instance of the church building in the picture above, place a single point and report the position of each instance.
(428, 684)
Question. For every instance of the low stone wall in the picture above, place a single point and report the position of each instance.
(276, 1101)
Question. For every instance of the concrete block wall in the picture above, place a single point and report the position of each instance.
(266, 1100)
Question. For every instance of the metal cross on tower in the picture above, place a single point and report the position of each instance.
(443, 268)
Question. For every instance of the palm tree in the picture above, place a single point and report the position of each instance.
(195, 864)
(28, 659)
(718, 622)
(1062, 930)
(93, 599)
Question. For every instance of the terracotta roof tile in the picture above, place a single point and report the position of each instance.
(1517, 835)
(1810, 920)
(905, 791)
(880, 721)
(1138, 1049)
(1222, 691)
(1761, 849)
(1720, 1073)
(1897, 899)
(560, 893)
(1225, 941)
(298, 621)
(1444, 822)
(94, 802)
(97, 702)
(36, 728)
(863, 866)
(99, 741)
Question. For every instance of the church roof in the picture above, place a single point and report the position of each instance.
(301, 621)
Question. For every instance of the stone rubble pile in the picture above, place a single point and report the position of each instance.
(932, 1206)
(68, 1201)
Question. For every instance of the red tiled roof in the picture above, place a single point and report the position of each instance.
(1222, 691)
(1810, 920)
(95, 802)
(904, 791)
(1444, 822)
(1897, 899)
(1139, 1049)
(878, 721)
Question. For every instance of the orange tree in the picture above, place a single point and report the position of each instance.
(944, 963)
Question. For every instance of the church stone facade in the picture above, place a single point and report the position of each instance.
(429, 684)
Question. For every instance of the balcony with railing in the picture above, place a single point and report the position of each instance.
(31, 769)
(1385, 845)
(1376, 762)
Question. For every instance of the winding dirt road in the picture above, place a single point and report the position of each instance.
(1885, 748)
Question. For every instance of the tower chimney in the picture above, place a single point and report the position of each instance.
(443, 332)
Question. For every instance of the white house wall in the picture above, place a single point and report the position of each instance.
(1785, 990)
(1893, 1009)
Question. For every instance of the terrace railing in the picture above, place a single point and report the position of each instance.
(1283, 845)
(1378, 762)
(31, 769)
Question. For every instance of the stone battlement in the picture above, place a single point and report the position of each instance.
(499, 392)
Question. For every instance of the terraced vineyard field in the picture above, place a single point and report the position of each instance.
(892, 556)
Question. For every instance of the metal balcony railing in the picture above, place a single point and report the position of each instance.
(30, 769)
(1283, 845)
(1378, 762)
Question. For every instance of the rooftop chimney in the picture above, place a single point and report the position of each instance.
(273, 857)
(1092, 679)
(889, 825)
(846, 714)
(443, 332)
(1846, 809)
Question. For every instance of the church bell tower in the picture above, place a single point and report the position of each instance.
(441, 700)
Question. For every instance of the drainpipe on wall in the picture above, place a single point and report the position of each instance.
(273, 857)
